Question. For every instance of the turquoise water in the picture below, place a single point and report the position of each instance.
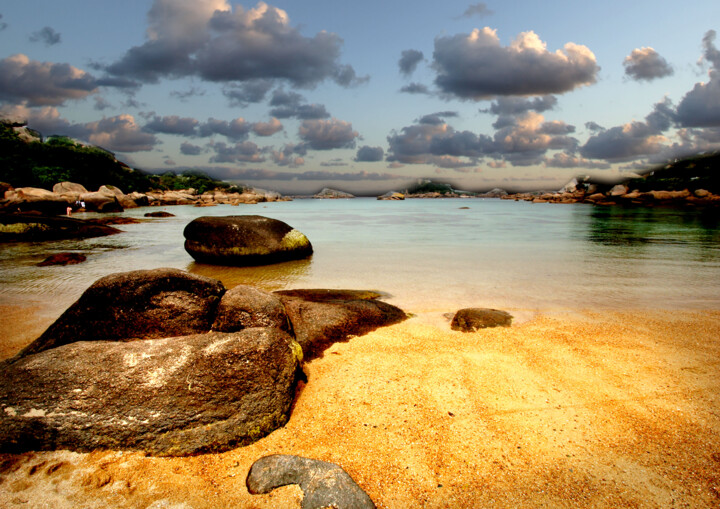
(428, 255)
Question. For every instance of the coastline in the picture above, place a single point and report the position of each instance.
(608, 409)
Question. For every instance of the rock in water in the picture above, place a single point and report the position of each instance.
(244, 240)
(142, 304)
(63, 259)
(323, 484)
(167, 397)
(471, 319)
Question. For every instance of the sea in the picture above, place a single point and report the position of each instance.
(423, 255)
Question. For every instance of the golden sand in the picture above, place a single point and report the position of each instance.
(585, 409)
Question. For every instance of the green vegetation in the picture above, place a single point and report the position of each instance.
(61, 159)
(697, 172)
(428, 186)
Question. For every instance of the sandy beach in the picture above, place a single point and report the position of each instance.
(590, 409)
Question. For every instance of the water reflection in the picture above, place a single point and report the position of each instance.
(270, 277)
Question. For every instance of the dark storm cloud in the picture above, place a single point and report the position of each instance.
(292, 105)
(646, 64)
(701, 106)
(369, 154)
(327, 134)
(46, 35)
(415, 88)
(479, 9)
(633, 140)
(211, 40)
(409, 60)
(42, 83)
(477, 67)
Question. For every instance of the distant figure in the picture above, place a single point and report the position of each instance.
(69, 211)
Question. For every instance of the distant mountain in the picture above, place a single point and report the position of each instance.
(692, 173)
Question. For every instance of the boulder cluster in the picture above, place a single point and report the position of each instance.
(111, 199)
(172, 364)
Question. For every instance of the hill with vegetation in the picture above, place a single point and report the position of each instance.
(28, 160)
(691, 173)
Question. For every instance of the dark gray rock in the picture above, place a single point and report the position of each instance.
(36, 227)
(244, 240)
(328, 318)
(323, 484)
(167, 397)
(472, 319)
(143, 304)
(159, 213)
(246, 306)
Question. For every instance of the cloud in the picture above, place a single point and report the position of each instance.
(207, 38)
(520, 105)
(565, 160)
(369, 154)
(479, 9)
(120, 133)
(187, 94)
(633, 140)
(237, 129)
(3, 25)
(415, 88)
(477, 67)
(523, 140)
(46, 35)
(646, 64)
(267, 128)
(172, 124)
(242, 152)
(409, 61)
(437, 118)
(291, 105)
(701, 106)
(191, 150)
(327, 134)
(42, 83)
(250, 92)
(290, 155)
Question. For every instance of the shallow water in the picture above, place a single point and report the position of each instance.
(428, 255)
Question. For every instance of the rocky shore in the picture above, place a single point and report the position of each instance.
(68, 195)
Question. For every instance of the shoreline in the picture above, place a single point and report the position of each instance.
(602, 408)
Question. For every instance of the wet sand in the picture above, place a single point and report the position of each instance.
(590, 409)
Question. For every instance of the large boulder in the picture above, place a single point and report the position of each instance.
(70, 188)
(322, 317)
(31, 227)
(167, 397)
(323, 484)
(98, 201)
(33, 199)
(245, 306)
(143, 304)
(244, 240)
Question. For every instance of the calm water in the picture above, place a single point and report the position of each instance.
(428, 255)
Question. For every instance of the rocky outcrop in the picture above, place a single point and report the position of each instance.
(323, 484)
(33, 227)
(244, 240)
(392, 195)
(134, 364)
(167, 397)
(472, 319)
(620, 195)
(142, 304)
(320, 317)
(332, 194)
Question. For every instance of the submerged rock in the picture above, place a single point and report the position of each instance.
(63, 259)
(34, 227)
(167, 397)
(472, 319)
(323, 484)
(244, 240)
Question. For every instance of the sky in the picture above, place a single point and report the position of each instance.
(370, 96)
